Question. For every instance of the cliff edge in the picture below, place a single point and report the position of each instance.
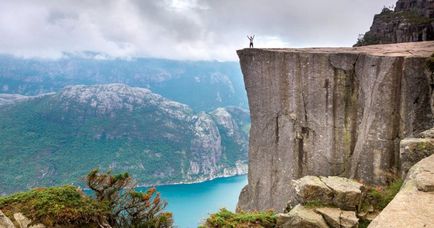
(331, 111)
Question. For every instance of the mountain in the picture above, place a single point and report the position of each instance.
(57, 138)
(410, 21)
(203, 85)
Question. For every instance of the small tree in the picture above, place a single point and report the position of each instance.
(129, 208)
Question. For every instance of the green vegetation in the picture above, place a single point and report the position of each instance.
(64, 205)
(116, 203)
(367, 39)
(363, 223)
(51, 141)
(129, 208)
(379, 197)
(316, 204)
(228, 219)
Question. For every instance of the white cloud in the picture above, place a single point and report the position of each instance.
(178, 29)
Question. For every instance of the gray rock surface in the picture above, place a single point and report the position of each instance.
(338, 218)
(412, 150)
(347, 193)
(301, 217)
(330, 112)
(410, 21)
(5, 222)
(414, 203)
(311, 188)
(337, 191)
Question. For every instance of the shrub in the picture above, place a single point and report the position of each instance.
(129, 208)
(228, 219)
(65, 205)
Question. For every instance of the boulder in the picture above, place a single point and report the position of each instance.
(301, 217)
(413, 150)
(338, 218)
(5, 222)
(337, 191)
(427, 134)
(312, 188)
(25, 222)
(347, 193)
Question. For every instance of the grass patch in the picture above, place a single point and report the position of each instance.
(380, 197)
(316, 204)
(64, 205)
(227, 219)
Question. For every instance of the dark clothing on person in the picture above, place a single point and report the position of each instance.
(251, 40)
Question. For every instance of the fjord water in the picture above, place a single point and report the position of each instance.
(192, 203)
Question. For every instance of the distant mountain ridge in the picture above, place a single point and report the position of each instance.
(203, 85)
(56, 138)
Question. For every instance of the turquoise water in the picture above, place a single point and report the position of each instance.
(192, 203)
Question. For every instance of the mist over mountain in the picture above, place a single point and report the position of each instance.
(203, 85)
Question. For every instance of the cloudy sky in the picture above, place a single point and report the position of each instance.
(178, 29)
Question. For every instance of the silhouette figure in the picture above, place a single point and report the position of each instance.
(251, 40)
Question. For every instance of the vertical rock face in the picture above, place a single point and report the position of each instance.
(327, 111)
(410, 21)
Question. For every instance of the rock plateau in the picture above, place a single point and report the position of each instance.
(331, 112)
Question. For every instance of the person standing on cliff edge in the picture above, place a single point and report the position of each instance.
(251, 40)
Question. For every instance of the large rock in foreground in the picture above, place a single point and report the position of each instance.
(338, 218)
(413, 206)
(301, 217)
(337, 191)
(330, 112)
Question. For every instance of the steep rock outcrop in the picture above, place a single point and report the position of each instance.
(413, 205)
(330, 111)
(410, 21)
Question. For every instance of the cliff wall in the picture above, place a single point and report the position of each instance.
(330, 111)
